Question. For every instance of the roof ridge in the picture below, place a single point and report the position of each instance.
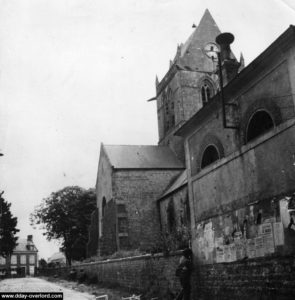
(120, 145)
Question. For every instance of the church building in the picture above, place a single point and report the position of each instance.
(224, 166)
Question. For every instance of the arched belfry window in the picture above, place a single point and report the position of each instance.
(103, 206)
(210, 155)
(207, 91)
(260, 122)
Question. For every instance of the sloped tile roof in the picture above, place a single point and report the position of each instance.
(180, 181)
(58, 256)
(142, 157)
(22, 245)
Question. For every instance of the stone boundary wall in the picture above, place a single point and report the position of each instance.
(148, 274)
(268, 278)
(271, 278)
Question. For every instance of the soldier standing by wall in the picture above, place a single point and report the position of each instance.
(183, 271)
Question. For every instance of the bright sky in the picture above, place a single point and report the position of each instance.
(75, 73)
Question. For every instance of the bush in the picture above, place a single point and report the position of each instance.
(92, 279)
(73, 274)
(82, 276)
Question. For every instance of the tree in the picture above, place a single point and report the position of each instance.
(8, 229)
(65, 215)
(42, 263)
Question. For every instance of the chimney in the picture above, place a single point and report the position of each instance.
(230, 66)
(30, 238)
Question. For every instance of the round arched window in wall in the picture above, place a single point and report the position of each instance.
(260, 122)
(210, 155)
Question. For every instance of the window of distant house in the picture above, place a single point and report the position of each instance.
(210, 155)
(206, 92)
(13, 259)
(259, 123)
(2, 260)
(32, 259)
(23, 259)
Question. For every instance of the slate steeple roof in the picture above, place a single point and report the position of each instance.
(191, 52)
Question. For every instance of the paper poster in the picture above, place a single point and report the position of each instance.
(268, 244)
(270, 220)
(220, 254)
(240, 249)
(266, 229)
(278, 232)
(227, 257)
(284, 213)
(267, 238)
(251, 248)
(218, 242)
(209, 236)
(259, 248)
(238, 235)
(233, 252)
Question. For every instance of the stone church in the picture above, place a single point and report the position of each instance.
(225, 162)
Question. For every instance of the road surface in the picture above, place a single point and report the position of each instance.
(31, 284)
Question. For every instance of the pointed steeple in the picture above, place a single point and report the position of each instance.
(157, 81)
(192, 52)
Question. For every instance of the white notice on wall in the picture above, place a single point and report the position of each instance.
(259, 249)
(284, 213)
(227, 257)
(251, 248)
(267, 238)
(278, 232)
(209, 236)
(220, 254)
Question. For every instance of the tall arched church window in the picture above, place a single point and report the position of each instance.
(171, 216)
(260, 122)
(172, 113)
(103, 206)
(210, 155)
(206, 91)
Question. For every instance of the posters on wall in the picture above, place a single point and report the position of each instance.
(247, 234)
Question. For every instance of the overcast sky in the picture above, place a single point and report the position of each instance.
(75, 73)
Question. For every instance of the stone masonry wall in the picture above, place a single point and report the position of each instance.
(255, 279)
(138, 190)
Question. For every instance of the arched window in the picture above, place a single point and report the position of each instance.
(206, 92)
(171, 216)
(210, 155)
(260, 122)
(103, 206)
(172, 116)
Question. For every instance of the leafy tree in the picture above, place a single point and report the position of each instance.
(65, 215)
(42, 263)
(7, 228)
